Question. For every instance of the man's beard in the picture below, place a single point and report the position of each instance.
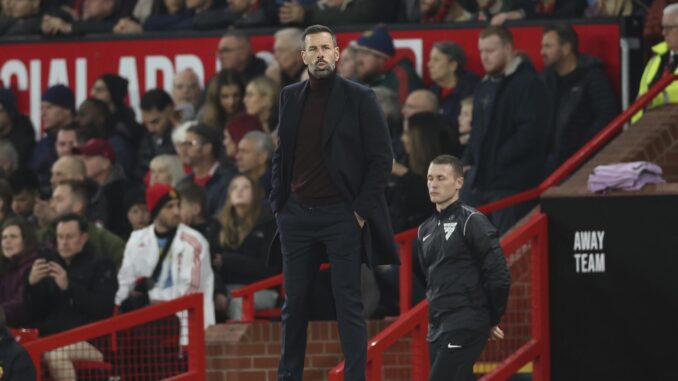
(321, 73)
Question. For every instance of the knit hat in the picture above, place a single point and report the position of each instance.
(378, 41)
(117, 87)
(157, 195)
(96, 147)
(60, 95)
(8, 101)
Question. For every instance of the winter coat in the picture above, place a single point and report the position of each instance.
(89, 297)
(581, 104)
(12, 281)
(506, 149)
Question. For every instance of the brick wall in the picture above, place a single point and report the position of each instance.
(654, 138)
(249, 351)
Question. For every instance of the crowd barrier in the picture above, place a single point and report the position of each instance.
(145, 344)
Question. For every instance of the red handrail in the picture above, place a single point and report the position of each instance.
(416, 319)
(192, 303)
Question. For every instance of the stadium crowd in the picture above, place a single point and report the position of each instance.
(103, 210)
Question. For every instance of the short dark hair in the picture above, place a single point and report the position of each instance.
(101, 106)
(208, 135)
(500, 31)
(315, 29)
(24, 180)
(83, 225)
(453, 52)
(566, 35)
(79, 190)
(454, 162)
(91, 130)
(28, 235)
(156, 99)
(240, 36)
(192, 192)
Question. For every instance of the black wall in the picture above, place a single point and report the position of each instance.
(621, 324)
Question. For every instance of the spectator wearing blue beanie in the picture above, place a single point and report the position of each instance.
(15, 127)
(377, 64)
(59, 95)
(57, 110)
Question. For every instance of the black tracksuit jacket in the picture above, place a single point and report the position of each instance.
(467, 277)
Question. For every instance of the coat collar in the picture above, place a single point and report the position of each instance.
(335, 106)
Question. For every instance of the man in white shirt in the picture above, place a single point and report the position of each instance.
(165, 260)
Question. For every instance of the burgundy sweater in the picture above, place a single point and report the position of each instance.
(311, 182)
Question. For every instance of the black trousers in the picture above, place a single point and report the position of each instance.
(307, 232)
(452, 356)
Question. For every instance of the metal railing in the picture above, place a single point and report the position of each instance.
(525, 341)
(142, 344)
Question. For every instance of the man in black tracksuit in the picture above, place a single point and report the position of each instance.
(467, 277)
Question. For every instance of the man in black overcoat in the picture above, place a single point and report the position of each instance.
(329, 174)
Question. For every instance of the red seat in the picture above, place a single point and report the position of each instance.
(25, 335)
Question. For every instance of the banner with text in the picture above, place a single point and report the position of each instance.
(29, 68)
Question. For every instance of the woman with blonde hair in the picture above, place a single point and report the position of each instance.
(167, 169)
(240, 242)
(261, 101)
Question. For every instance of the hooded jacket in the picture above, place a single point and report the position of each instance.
(506, 149)
(581, 103)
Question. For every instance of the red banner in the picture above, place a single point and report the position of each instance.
(29, 68)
